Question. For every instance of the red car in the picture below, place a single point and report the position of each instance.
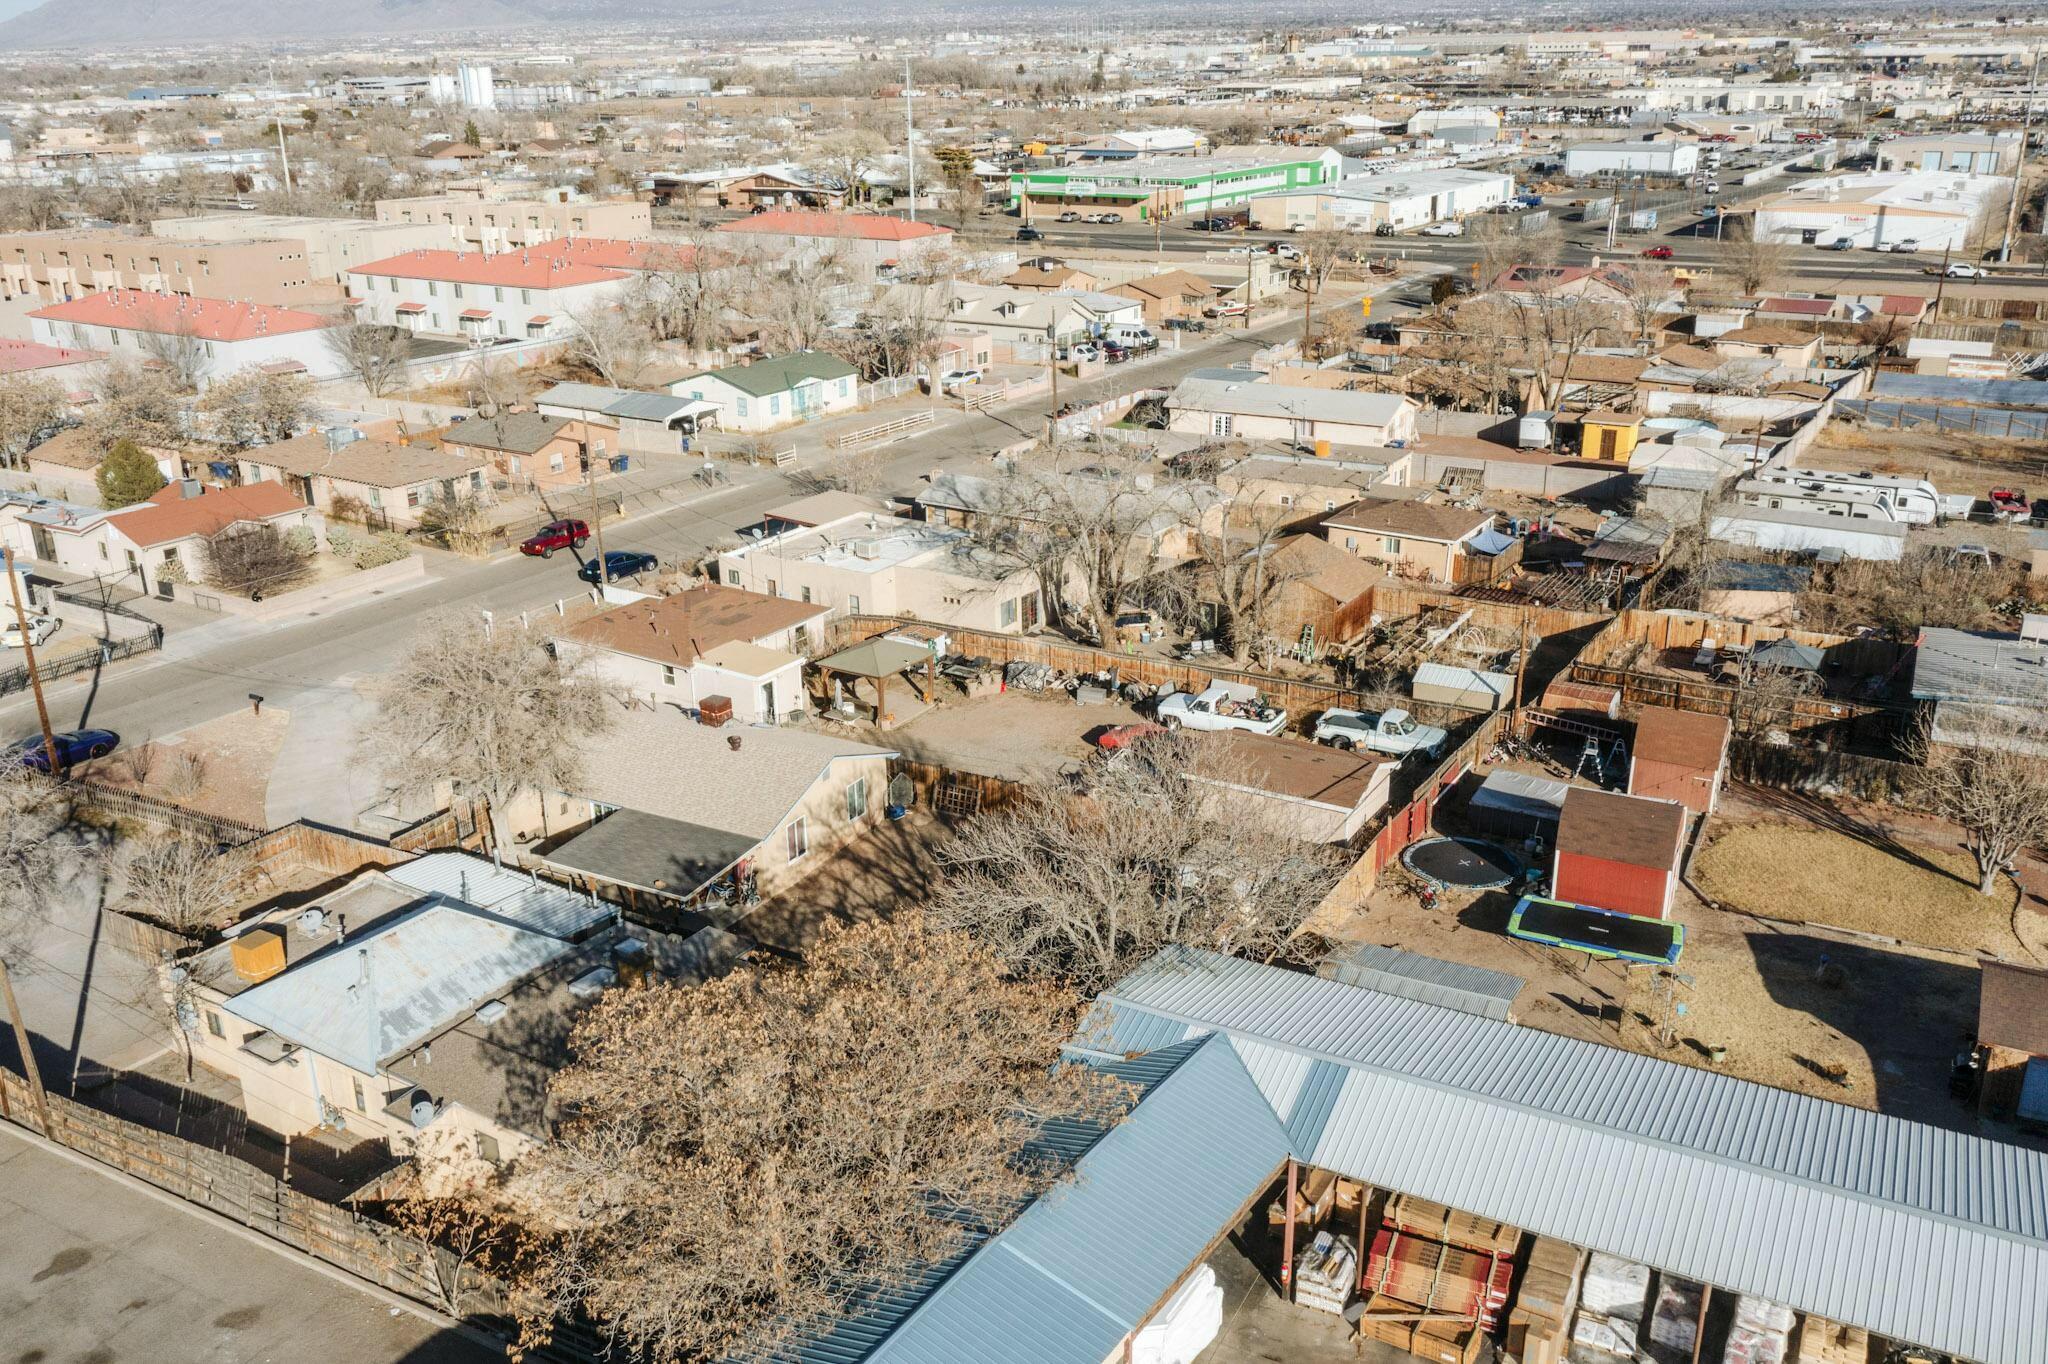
(1123, 736)
(2010, 503)
(1656, 253)
(567, 534)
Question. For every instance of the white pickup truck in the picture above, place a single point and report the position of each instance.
(1224, 705)
(1395, 732)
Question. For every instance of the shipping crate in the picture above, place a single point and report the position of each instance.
(1439, 1223)
(1829, 1342)
(1392, 1322)
(1314, 1197)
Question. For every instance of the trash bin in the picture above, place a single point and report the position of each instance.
(620, 463)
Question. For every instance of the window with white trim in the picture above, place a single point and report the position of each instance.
(798, 838)
(857, 799)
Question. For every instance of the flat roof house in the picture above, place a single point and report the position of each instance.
(709, 641)
(863, 241)
(776, 392)
(1618, 852)
(1252, 410)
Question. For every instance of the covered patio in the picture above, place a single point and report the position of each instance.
(877, 662)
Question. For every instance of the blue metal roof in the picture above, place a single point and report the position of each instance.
(1928, 1236)
(1088, 1261)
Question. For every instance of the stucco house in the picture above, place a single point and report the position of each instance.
(176, 526)
(1251, 409)
(1412, 537)
(401, 482)
(549, 452)
(712, 640)
(228, 336)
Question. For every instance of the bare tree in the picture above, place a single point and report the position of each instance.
(31, 409)
(1238, 570)
(252, 407)
(687, 295)
(616, 343)
(180, 353)
(743, 1160)
(186, 885)
(375, 354)
(1987, 774)
(1647, 290)
(848, 155)
(254, 560)
(484, 708)
(134, 403)
(1160, 850)
(1756, 262)
(792, 300)
(467, 1242)
(35, 856)
(1553, 325)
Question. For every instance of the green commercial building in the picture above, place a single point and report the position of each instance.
(1147, 187)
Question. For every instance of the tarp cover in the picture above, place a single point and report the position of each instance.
(1515, 793)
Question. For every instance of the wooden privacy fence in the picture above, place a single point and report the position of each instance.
(1688, 630)
(250, 1197)
(882, 432)
(134, 805)
(1821, 771)
(1845, 720)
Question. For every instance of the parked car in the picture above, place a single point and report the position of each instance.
(1081, 350)
(1103, 218)
(73, 747)
(1383, 230)
(1655, 253)
(1223, 705)
(959, 378)
(1225, 310)
(1840, 244)
(40, 628)
(1212, 225)
(1904, 245)
(1114, 352)
(1028, 233)
(1285, 251)
(1240, 250)
(1393, 732)
(1068, 217)
(1960, 271)
(565, 534)
(1444, 230)
(618, 563)
(1386, 333)
(1123, 736)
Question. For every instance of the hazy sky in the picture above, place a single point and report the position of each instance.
(10, 8)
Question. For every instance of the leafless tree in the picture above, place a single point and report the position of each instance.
(1159, 850)
(1647, 290)
(375, 354)
(745, 1159)
(134, 402)
(1756, 262)
(484, 708)
(687, 296)
(792, 300)
(31, 409)
(616, 343)
(252, 407)
(1238, 570)
(1553, 326)
(254, 560)
(1990, 780)
(180, 353)
(467, 1241)
(848, 155)
(187, 886)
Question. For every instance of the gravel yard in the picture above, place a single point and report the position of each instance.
(1014, 735)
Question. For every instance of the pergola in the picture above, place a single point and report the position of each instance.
(877, 660)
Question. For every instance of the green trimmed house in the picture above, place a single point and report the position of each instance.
(1146, 187)
(779, 391)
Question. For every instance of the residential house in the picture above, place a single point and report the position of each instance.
(862, 242)
(1305, 417)
(776, 392)
(397, 483)
(1045, 281)
(548, 452)
(648, 423)
(1412, 537)
(711, 640)
(1269, 484)
(412, 1005)
(865, 564)
(228, 336)
(1170, 295)
(759, 806)
(781, 185)
(175, 527)
(1788, 346)
(1305, 791)
(1020, 322)
(60, 364)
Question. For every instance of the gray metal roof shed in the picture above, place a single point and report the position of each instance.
(1927, 1236)
(1410, 975)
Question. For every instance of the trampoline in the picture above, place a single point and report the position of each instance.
(1461, 863)
(1601, 933)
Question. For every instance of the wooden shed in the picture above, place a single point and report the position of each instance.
(1679, 755)
(2012, 1030)
(1618, 852)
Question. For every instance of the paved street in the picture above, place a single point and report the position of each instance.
(95, 1270)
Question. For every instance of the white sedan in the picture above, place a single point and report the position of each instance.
(40, 628)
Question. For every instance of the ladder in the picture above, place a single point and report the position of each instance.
(1604, 747)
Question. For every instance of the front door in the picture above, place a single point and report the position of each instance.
(768, 700)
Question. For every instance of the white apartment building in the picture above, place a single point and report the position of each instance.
(524, 294)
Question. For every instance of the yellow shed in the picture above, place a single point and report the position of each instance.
(1608, 435)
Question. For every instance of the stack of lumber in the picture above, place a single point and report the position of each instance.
(1544, 1303)
(1438, 1279)
(1829, 1342)
(1408, 1327)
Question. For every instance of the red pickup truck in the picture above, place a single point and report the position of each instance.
(566, 534)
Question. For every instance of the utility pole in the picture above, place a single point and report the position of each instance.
(28, 1057)
(284, 157)
(28, 659)
(1052, 356)
(2019, 172)
(604, 572)
(1941, 280)
(1248, 293)
(909, 140)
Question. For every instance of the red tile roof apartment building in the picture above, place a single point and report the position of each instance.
(230, 335)
(860, 241)
(522, 293)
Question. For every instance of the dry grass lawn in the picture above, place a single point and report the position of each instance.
(1917, 893)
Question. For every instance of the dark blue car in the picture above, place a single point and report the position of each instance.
(73, 746)
(618, 563)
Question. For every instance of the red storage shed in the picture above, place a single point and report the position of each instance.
(1618, 852)
(1679, 755)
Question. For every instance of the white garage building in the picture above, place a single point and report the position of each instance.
(1663, 156)
(1935, 210)
(1402, 199)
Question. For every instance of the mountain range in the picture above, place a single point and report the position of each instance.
(94, 23)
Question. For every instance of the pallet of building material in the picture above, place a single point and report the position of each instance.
(1614, 1287)
(1749, 1346)
(1405, 1326)
(1764, 1316)
(1450, 1226)
(1821, 1341)
(1549, 1292)
(1443, 1277)
(1600, 1339)
(1535, 1339)
(1324, 1272)
(1674, 1329)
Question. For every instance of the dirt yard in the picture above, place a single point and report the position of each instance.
(220, 768)
(1013, 735)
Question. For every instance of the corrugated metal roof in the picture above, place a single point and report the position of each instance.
(653, 407)
(1087, 1262)
(1410, 975)
(1925, 1235)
